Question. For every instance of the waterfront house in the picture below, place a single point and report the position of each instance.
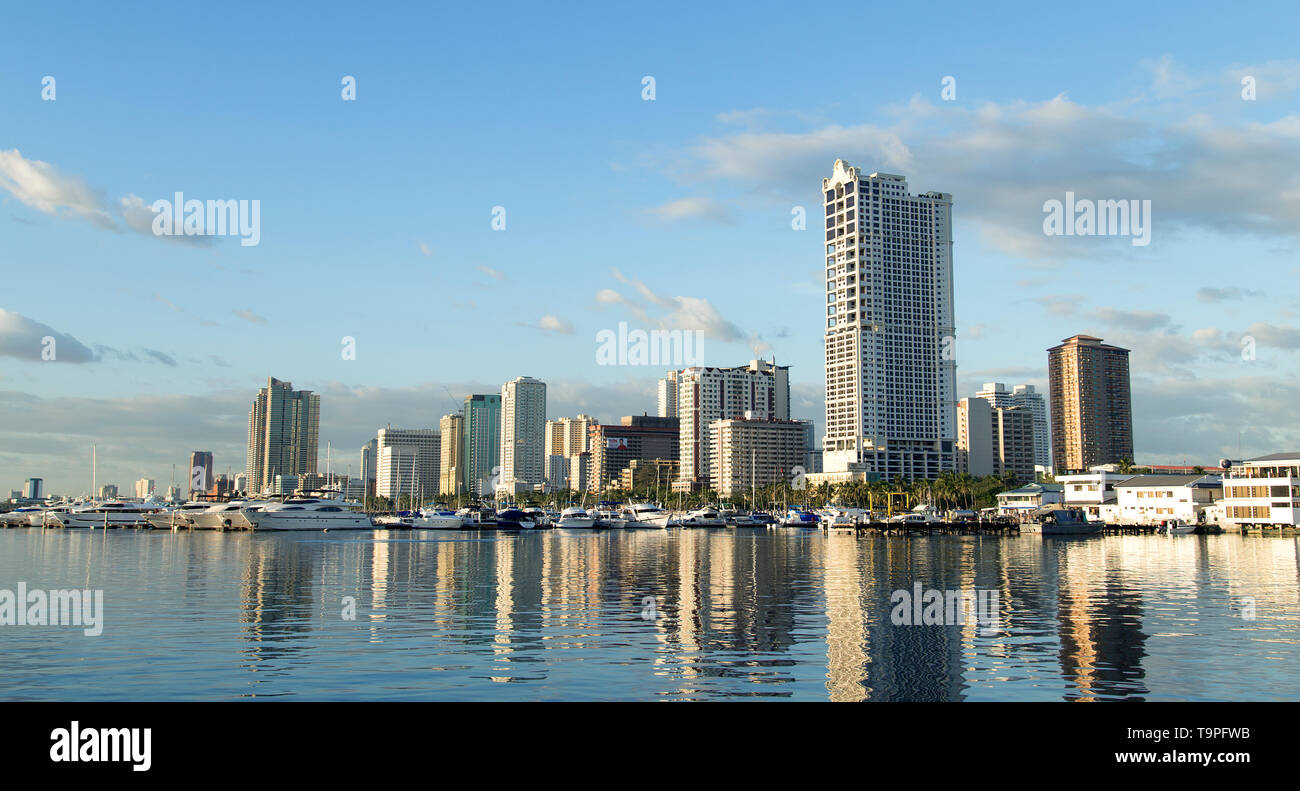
(1025, 500)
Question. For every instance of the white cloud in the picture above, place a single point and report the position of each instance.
(691, 208)
(549, 323)
(24, 338)
(41, 186)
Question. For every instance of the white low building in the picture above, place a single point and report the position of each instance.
(1262, 492)
(1091, 490)
(1028, 498)
(1153, 499)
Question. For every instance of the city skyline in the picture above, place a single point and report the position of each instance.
(698, 189)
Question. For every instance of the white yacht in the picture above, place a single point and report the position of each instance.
(21, 516)
(704, 517)
(309, 513)
(114, 513)
(644, 515)
(611, 518)
(171, 518)
(576, 518)
(226, 516)
(436, 519)
(47, 516)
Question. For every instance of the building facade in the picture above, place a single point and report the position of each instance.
(407, 462)
(755, 453)
(1091, 412)
(482, 446)
(668, 395)
(201, 472)
(1263, 492)
(1152, 499)
(451, 457)
(523, 434)
(1025, 397)
(889, 330)
(635, 437)
(283, 433)
(760, 390)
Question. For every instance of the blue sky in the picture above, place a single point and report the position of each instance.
(674, 213)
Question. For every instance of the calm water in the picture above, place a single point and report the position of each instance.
(779, 614)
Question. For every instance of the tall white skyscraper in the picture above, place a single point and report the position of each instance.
(1025, 397)
(890, 337)
(523, 433)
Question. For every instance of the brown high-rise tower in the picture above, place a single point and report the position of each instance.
(1091, 407)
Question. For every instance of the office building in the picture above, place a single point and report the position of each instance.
(369, 466)
(482, 446)
(451, 459)
(634, 437)
(760, 390)
(1091, 409)
(144, 488)
(201, 472)
(283, 433)
(407, 462)
(523, 434)
(1026, 397)
(34, 489)
(749, 453)
(889, 333)
(668, 395)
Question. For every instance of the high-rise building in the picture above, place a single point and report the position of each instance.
(34, 488)
(974, 437)
(144, 488)
(451, 462)
(635, 437)
(369, 466)
(760, 390)
(668, 395)
(523, 433)
(1026, 397)
(1091, 412)
(1014, 442)
(889, 333)
(108, 491)
(995, 440)
(407, 462)
(755, 453)
(568, 436)
(482, 452)
(201, 474)
(283, 433)
(241, 482)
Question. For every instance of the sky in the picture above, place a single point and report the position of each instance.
(505, 185)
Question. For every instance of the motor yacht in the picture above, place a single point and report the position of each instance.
(644, 515)
(704, 517)
(177, 516)
(310, 513)
(226, 516)
(433, 518)
(576, 518)
(800, 517)
(113, 513)
(20, 517)
(514, 519)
